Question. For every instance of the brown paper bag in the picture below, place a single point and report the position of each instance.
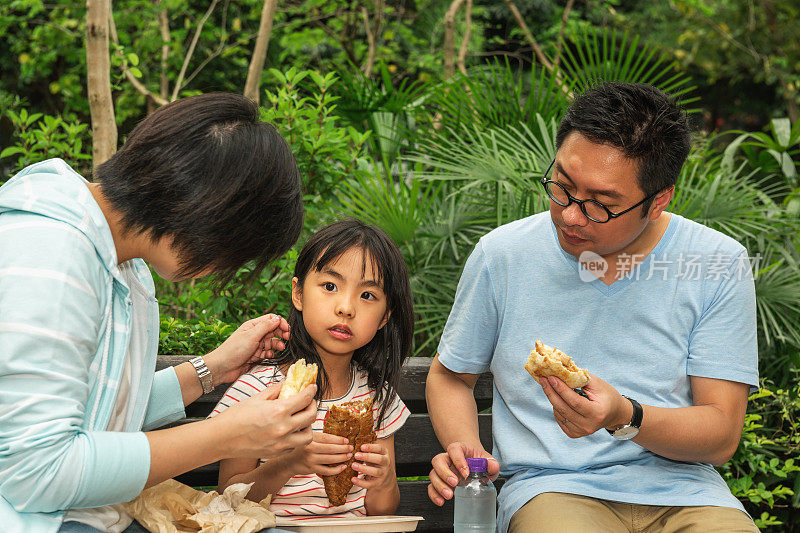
(172, 507)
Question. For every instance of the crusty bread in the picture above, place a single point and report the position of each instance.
(354, 421)
(299, 376)
(546, 361)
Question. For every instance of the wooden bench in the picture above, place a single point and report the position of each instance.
(415, 442)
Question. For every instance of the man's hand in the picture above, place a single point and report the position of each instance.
(449, 465)
(577, 416)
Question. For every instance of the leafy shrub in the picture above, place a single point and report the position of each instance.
(236, 302)
(326, 151)
(191, 337)
(762, 472)
(38, 137)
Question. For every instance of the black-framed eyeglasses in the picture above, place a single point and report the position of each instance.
(592, 209)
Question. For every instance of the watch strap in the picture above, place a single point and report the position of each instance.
(203, 374)
(638, 414)
(636, 418)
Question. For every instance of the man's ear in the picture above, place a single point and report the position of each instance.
(660, 202)
(385, 319)
(297, 296)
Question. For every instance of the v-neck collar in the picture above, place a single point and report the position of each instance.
(620, 284)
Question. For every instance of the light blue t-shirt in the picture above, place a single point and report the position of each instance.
(688, 309)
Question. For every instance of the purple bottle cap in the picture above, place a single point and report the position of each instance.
(477, 464)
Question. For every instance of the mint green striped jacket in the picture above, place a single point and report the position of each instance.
(65, 319)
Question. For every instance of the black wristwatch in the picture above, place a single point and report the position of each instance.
(629, 431)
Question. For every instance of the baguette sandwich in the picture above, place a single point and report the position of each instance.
(545, 361)
(299, 376)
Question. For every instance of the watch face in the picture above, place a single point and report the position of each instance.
(626, 433)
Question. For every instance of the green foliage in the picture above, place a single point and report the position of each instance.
(379, 107)
(37, 137)
(607, 55)
(196, 337)
(498, 94)
(773, 153)
(325, 151)
(730, 45)
(240, 300)
(762, 472)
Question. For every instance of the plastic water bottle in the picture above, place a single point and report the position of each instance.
(476, 501)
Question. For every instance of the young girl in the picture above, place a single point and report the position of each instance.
(352, 315)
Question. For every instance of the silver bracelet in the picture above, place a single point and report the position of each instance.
(203, 374)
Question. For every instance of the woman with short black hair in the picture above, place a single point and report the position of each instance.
(201, 186)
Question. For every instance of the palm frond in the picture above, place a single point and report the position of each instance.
(728, 201)
(777, 282)
(434, 289)
(498, 95)
(609, 55)
(397, 207)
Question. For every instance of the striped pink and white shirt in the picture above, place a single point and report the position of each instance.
(304, 495)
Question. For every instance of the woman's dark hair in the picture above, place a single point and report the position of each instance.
(207, 172)
(641, 121)
(383, 356)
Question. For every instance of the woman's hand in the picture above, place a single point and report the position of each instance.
(324, 456)
(253, 341)
(376, 465)
(262, 426)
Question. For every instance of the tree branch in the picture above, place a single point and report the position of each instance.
(163, 26)
(98, 81)
(462, 52)
(370, 44)
(179, 81)
(540, 55)
(138, 85)
(260, 50)
(560, 42)
(449, 31)
(347, 49)
(220, 48)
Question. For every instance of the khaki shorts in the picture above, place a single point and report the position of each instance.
(558, 513)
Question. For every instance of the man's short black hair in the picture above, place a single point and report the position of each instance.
(205, 171)
(641, 121)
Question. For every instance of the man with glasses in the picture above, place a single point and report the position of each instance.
(672, 356)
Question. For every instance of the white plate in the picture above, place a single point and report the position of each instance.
(364, 524)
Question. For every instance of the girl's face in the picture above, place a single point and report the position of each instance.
(342, 309)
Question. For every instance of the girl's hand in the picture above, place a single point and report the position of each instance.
(325, 455)
(374, 462)
(262, 426)
(253, 341)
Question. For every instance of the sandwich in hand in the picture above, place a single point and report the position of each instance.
(354, 421)
(299, 376)
(546, 361)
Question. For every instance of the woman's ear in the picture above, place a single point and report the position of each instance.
(297, 296)
(385, 319)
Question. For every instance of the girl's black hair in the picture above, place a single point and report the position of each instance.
(206, 171)
(383, 356)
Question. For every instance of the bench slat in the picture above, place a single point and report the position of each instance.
(415, 442)
(411, 389)
(415, 445)
(414, 501)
